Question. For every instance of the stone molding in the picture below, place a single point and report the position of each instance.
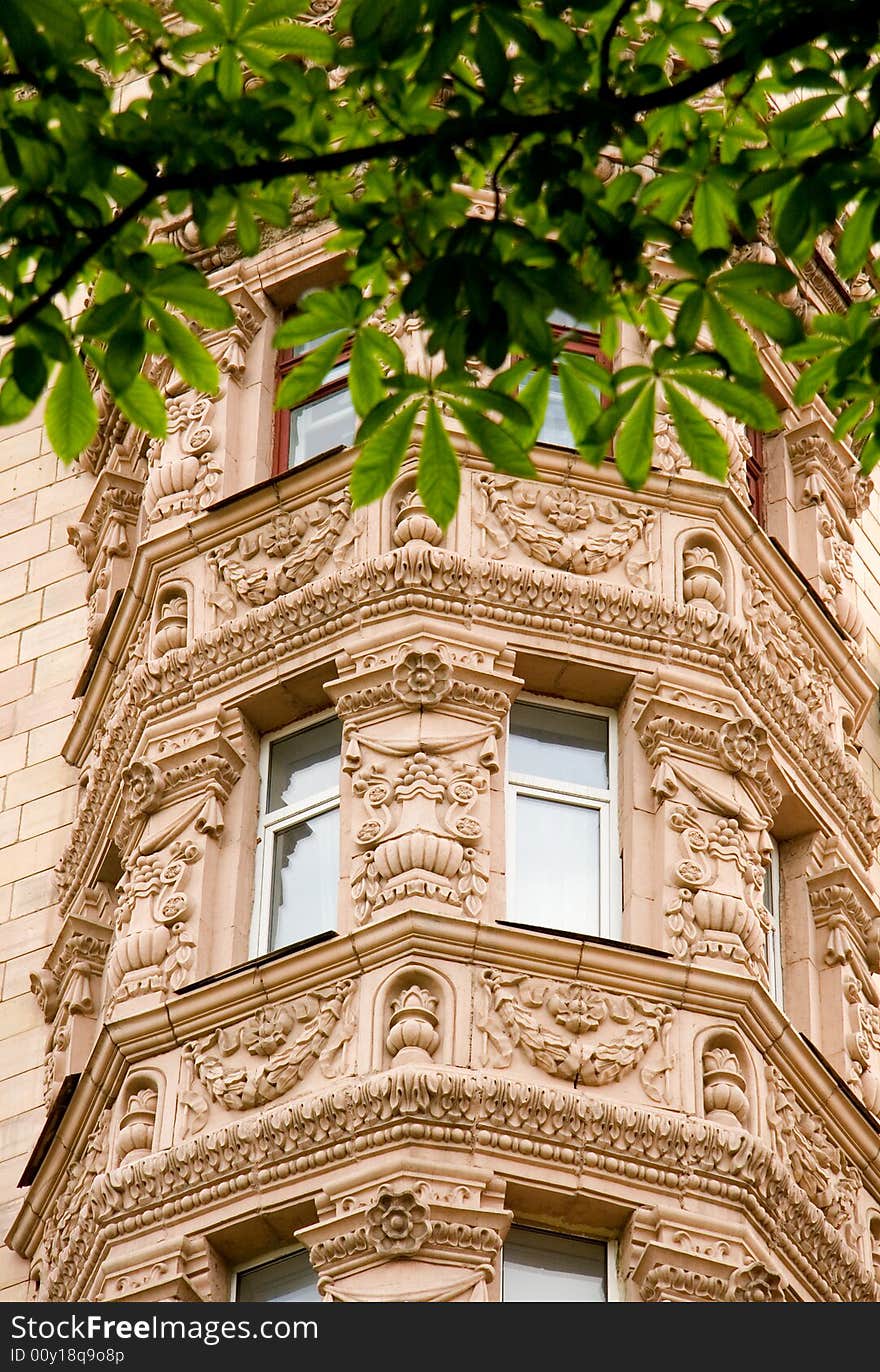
(496, 1115)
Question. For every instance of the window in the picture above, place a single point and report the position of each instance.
(774, 936)
(555, 430)
(561, 820)
(286, 1279)
(298, 853)
(537, 1266)
(755, 475)
(323, 423)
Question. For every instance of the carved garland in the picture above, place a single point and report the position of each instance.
(265, 1035)
(578, 1009)
(300, 541)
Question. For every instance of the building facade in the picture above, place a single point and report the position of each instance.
(405, 914)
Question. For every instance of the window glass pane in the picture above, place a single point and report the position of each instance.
(549, 1267)
(288, 1279)
(555, 428)
(559, 746)
(557, 865)
(320, 425)
(304, 764)
(305, 877)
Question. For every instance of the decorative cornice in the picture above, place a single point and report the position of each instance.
(492, 1113)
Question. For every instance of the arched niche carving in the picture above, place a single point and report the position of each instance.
(726, 1092)
(414, 1018)
(138, 1117)
(704, 571)
(172, 619)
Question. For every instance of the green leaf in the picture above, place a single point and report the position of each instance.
(751, 407)
(71, 413)
(380, 458)
(305, 378)
(439, 480)
(124, 357)
(187, 289)
(768, 315)
(812, 379)
(366, 380)
(732, 341)
(320, 312)
(793, 216)
(634, 444)
(229, 75)
(857, 237)
(582, 404)
(490, 58)
(702, 442)
(710, 220)
(497, 445)
(188, 353)
(142, 405)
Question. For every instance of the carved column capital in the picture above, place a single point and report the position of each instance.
(408, 1237)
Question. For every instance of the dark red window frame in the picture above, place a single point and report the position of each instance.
(756, 475)
(285, 364)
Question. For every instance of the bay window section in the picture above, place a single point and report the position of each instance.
(298, 852)
(561, 820)
(540, 1266)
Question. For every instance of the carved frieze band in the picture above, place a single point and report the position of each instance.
(546, 1122)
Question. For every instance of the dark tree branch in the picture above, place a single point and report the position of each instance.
(619, 14)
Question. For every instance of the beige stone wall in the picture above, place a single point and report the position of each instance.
(42, 652)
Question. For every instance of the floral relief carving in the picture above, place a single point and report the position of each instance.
(222, 1064)
(776, 633)
(300, 542)
(421, 835)
(511, 1020)
(397, 1223)
(564, 528)
(815, 1161)
(421, 679)
(183, 473)
(731, 922)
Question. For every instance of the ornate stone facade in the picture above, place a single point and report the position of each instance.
(403, 1090)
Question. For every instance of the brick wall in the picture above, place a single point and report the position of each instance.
(42, 651)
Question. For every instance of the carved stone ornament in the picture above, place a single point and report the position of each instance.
(421, 833)
(777, 634)
(283, 554)
(265, 1056)
(554, 1026)
(815, 1161)
(408, 1240)
(565, 528)
(183, 469)
(421, 1104)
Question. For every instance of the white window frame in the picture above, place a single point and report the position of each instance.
(773, 942)
(270, 823)
(586, 797)
(613, 1294)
